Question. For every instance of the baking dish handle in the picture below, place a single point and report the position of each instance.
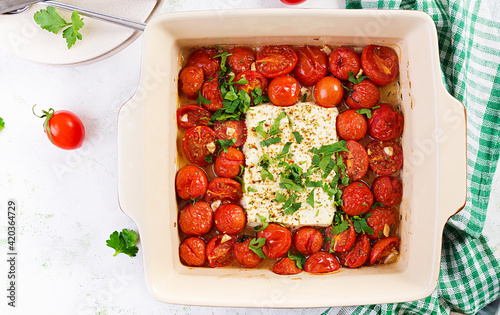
(452, 139)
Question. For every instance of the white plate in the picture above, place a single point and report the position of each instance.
(20, 35)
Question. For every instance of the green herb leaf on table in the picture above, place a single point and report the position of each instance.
(256, 246)
(51, 21)
(2, 123)
(299, 259)
(124, 242)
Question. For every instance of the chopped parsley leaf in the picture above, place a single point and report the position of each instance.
(298, 137)
(265, 143)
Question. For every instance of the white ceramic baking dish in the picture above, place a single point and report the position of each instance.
(434, 143)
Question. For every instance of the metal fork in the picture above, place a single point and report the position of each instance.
(136, 25)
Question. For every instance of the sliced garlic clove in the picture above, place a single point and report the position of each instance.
(389, 151)
(225, 238)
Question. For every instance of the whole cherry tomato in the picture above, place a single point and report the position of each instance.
(356, 160)
(380, 63)
(386, 123)
(224, 189)
(63, 128)
(230, 219)
(220, 250)
(190, 116)
(328, 92)
(190, 81)
(362, 95)
(244, 255)
(196, 219)
(229, 164)
(383, 248)
(241, 59)
(254, 78)
(351, 125)
(191, 182)
(359, 254)
(211, 91)
(321, 263)
(386, 157)
(382, 221)
(198, 143)
(284, 91)
(307, 240)
(342, 61)
(193, 251)
(278, 240)
(340, 242)
(275, 61)
(312, 65)
(387, 190)
(203, 58)
(356, 199)
(231, 129)
(286, 266)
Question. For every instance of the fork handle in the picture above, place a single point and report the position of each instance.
(136, 25)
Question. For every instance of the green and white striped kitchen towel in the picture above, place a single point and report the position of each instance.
(469, 42)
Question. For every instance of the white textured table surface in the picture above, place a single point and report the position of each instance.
(67, 200)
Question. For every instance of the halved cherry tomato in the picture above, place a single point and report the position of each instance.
(284, 91)
(356, 199)
(190, 116)
(220, 250)
(211, 91)
(230, 219)
(328, 92)
(278, 240)
(224, 189)
(363, 95)
(286, 266)
(203, 58)
(386, 157)
(275, 61)
(387, 190)
(197, 219)
(342, 61)
(340, 242)
(386, 123)
(351, 125)
(193, 251)
(321, 263)
(380, 63)
(356, 160)
(244, 255)
(307, 240)
(254, 78)
(359, 254)
(231, 129)
(382, 221)
(229, 164)
(383, 248)
(190, 81)
(241, 59)
(198, 143)
(312, 65)
(191, 182)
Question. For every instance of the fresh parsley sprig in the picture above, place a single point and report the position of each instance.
(299, 259)
(124, 242)
(51, 21)
(2, 124)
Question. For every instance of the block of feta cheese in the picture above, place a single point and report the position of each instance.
(317, 127)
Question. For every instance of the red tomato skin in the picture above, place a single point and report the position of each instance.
(380, 63)
(387, 190)
(379, 217)
(194, 144)
(275, 61)
(359, 254)
(357, 199)
(197, 219)
(193, 251)
(220, 254)
(380, 161)
(366, 95)
(239, 134)
(67, 130)
(286, 266)
(307, 240)
(190, 81)
(351, 125)
(195, 115)
(382, 248)
(340, 242)
(292, 2)
(254, 78)
(244, 255)
(278, 240)
(343, 60)
(321, 262)
(210, 90)
(230, 219)
(203, 58)
(386, 123)
(229, 164)
(328, 92)
(226, 190)
(191, 182)
(356, 160)
(241, 59)
(284, 91)
(312, 65)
